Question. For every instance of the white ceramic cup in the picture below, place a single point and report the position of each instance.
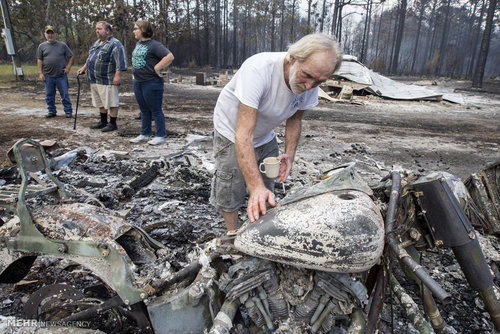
(271, 167)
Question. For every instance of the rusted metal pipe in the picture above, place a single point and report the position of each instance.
(377, 302)
(262, 310)
(328, 309)
(322, 303)
(491, 303)
(223, 322)
(432, 311)
(410, 308)
(189, 271)
(430, 307)
(401, 254)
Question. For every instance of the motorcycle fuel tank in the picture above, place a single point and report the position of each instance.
(338, 231)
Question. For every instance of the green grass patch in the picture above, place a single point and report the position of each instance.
(7, 72)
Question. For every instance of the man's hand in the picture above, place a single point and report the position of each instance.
(257, 202)
(285, 167)
(41, 76)
(116, 78)
(66, 70)
(81, 70)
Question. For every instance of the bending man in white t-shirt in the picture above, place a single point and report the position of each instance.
(268, 89)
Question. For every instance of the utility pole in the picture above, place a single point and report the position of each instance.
(9, 40)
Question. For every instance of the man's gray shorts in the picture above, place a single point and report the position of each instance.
(228, 185)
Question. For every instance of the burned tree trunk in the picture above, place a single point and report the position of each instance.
(475, 48)
(444, 39)
(399, 36)
(477, 81)
(423, 4)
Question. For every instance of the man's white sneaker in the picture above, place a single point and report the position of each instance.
(156, 141)
(139, 139)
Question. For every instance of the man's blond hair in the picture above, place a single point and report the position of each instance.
(312, 43)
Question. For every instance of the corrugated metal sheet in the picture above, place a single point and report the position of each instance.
(377, 84)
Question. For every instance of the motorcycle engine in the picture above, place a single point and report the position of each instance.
(286, 299)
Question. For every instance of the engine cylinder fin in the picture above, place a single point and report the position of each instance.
(321, 306)
(328, 323)
(333, 290)
(254, 313)
(305, 310)
(265, 302)
(247, 285)
(267, 318)
(277, 302)
(328, 309)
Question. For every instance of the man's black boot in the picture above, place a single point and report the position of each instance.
(102, 123)
(111, 126)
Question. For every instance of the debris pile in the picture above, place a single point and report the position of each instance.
(168, 197)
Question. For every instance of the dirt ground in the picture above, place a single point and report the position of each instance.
(377, 134)
(422, 136)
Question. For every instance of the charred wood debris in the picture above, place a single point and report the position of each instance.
(169, 198)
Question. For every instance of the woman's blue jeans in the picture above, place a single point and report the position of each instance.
(50, 93)
(149, 96)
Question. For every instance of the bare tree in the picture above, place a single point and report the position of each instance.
(399, 36)
(292, 23)
(366, 31)
(225, 32)
(274, 8)
(282, 24)
(235, 33)
(47, 12)
(477, 80)
(323, 16)
(217, 34)
(206, 32)
(476, 39)
(433, 25)
(309, 2)
(198, 32)
(444, 39)
(422, 6)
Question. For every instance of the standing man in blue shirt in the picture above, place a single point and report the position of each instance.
(54, 60)
(104, 65)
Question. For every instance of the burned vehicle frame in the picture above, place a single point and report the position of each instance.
(318, 261)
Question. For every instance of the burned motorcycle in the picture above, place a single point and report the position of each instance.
(315, 263)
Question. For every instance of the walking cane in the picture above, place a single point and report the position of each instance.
(77, 99)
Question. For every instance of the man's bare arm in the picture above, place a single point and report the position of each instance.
(293, 129)
(39, 63)
(67, 69)
(259, 194)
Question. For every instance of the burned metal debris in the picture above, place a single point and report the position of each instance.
(484, 188)
(134, 251)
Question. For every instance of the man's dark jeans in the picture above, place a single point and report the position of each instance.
(50, 93)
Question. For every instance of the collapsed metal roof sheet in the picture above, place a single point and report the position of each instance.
(364, 78)
(389, 88)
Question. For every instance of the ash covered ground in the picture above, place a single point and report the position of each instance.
(165, 189)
